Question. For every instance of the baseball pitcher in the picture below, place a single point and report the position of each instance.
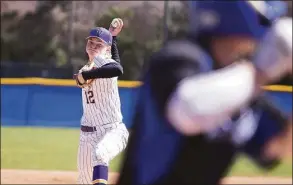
(103, 134)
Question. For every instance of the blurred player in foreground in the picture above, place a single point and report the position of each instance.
(103, 135)
(194, 114)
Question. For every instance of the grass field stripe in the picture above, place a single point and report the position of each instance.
(48, 140)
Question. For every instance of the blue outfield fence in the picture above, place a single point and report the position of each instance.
(39, 105)
(57, 103)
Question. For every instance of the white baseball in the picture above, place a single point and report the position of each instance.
(115, 23)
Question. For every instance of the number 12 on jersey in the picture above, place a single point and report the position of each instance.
(89, 95)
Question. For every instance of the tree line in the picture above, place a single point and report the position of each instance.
(41, 37)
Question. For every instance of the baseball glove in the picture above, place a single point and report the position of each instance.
(78, 77)
(80, 84)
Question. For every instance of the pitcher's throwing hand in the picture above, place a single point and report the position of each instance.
(116, 26)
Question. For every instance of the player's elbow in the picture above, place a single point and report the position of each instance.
(116, 69)
(119, 70)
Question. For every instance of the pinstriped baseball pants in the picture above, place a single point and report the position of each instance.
(99, 148)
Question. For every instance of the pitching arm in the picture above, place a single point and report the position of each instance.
(114, 50)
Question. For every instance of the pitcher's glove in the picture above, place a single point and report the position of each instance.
(80, 81)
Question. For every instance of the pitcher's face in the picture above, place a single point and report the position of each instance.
(96, 46)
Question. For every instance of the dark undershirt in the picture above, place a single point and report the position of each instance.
(110, 70)
(114, 50)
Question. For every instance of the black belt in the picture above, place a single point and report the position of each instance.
(88, 129)
(92, 129)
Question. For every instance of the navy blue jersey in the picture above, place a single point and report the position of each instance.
(158, 154)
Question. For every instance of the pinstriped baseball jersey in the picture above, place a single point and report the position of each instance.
(101, 101)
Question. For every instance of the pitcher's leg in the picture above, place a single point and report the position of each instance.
(84, 162)
(107, 148)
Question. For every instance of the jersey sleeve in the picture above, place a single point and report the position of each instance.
(168, 67)
(108, 70)
(114, 50)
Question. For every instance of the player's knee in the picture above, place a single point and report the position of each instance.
(102, 156)
(124, 138)
(126, 135)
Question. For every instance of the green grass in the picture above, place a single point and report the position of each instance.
(245, 167)
(39, 148)
(56, 149)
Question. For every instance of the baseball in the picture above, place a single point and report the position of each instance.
(115, 23)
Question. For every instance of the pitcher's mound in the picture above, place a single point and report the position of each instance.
(66, 177)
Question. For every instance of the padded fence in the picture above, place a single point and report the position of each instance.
(61, 106)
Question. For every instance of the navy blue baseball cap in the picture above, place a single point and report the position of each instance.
(102, 34)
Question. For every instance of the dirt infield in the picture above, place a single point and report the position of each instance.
(66, 177)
